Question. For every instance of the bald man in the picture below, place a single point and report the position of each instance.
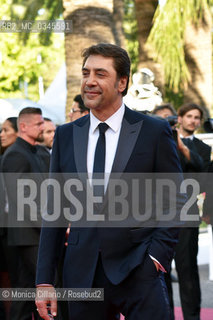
(21, 161)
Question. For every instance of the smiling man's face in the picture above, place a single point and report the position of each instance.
(101, 89)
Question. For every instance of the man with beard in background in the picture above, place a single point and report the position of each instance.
(21, 161)
(45, 146)
(195, 158)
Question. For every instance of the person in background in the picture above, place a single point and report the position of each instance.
(195, 158)
(48, 133)
(9, 132)
(164, 111)
(20, 160)
(8, 135)
(44, 148)
(78, 108)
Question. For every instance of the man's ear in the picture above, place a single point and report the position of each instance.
(179, 120)
(22, 126)
(122, 83)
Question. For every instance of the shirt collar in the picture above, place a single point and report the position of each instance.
(26, 144)
(191, 137)
(114, 122)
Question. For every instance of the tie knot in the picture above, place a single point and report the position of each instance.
(186, 140)
(103, 127)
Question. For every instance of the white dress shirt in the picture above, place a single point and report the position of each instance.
(191, 137)
(111, 135)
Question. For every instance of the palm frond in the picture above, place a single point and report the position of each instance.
(167, 36)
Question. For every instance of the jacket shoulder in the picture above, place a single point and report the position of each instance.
(202, 145)
(152, 122)
(67, 127)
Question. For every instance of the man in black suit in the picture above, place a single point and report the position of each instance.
(195, 158)
(3, 264)
(44, 150)
(19, 161)
(46, 144)
(126, 262)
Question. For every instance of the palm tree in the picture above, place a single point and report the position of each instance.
(145, 10)
(198, 52)
(118, 17)
(184, 63)
(181, 38)
(93, 21)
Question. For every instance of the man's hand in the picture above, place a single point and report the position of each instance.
(67, 235)
(182, 147)
(46, 301)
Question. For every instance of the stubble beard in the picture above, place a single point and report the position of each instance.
(189, 132)
(40, 138)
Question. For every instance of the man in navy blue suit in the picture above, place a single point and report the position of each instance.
(127, 262)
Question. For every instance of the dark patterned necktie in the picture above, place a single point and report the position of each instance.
(187, 141)
(99, 159)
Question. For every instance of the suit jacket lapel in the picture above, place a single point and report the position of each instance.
(128, 137)
(126, 143)
(80, 142)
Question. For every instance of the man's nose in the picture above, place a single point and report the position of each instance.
(91, 80)
(2, 134)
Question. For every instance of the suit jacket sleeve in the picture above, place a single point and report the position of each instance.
(165, 238)
(52, 239)
(199, 156)
(16, 166)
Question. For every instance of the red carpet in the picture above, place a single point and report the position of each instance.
(206, 314)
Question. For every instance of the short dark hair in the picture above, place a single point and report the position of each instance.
(188, 107)
(81, 104)
(30, 110)
(13, 122)
(47, 119)
(119, 55)
(165, 106)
